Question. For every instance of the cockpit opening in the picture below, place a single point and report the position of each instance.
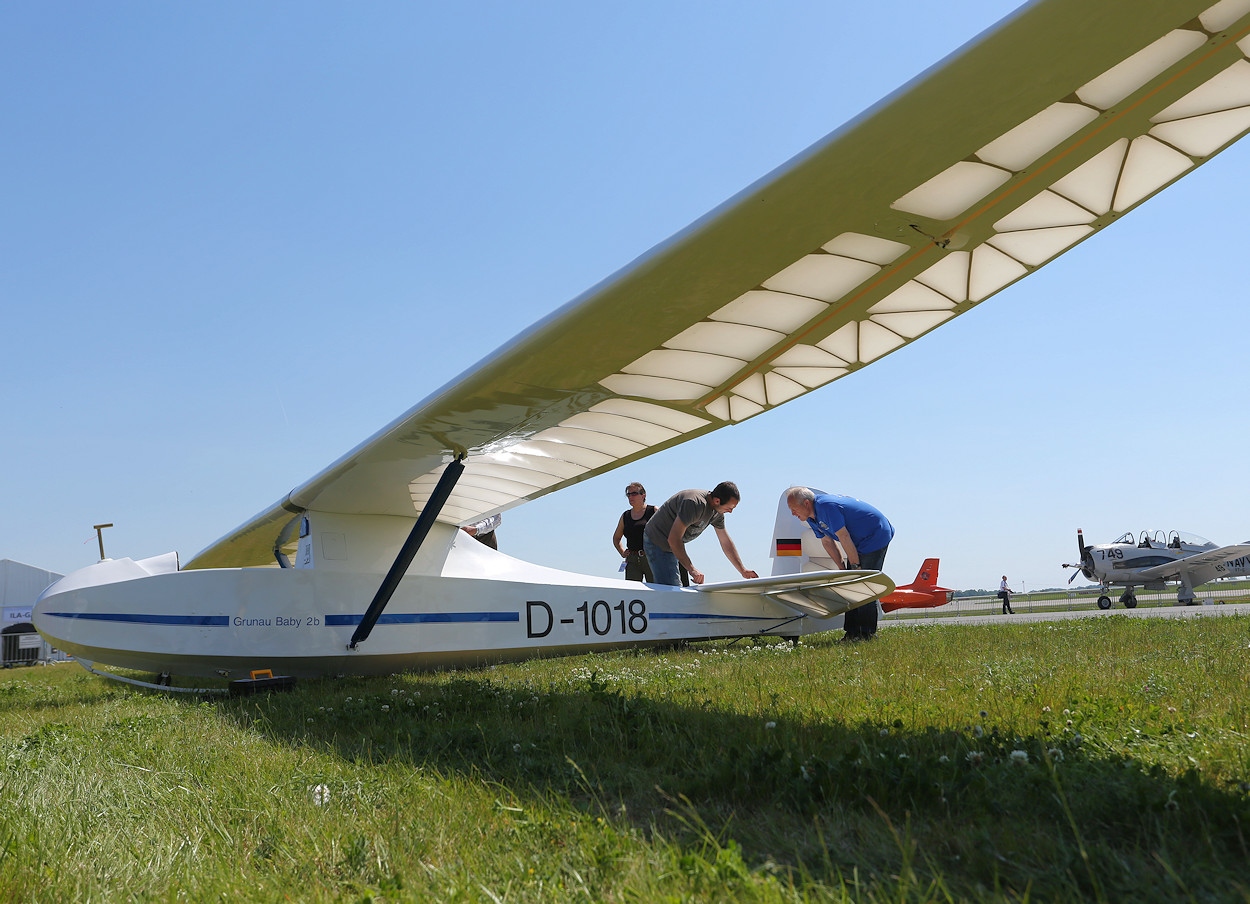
(1176, 539)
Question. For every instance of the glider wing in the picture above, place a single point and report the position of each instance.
(1048, 127)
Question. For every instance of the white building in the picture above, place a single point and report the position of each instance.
(20, 586)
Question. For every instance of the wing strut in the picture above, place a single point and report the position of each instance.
(446, 483)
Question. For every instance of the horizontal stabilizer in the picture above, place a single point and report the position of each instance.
(821, 594)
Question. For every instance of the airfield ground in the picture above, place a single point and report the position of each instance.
(1098, 759)
(1217, 598)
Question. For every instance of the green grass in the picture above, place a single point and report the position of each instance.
(1099, 760)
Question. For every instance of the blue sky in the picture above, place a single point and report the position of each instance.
(239, 238)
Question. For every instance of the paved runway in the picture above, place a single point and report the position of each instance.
(1152, 612)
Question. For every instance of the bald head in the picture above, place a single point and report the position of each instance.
(802, 502)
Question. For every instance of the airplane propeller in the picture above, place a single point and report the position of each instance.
(1087, 561)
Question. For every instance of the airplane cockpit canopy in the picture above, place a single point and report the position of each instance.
(1175, 540)
(1188, 539)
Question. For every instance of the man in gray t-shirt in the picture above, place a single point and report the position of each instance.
(682, 518)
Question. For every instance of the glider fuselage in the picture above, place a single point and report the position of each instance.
(481, 606)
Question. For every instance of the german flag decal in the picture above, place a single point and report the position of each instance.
(789, 547)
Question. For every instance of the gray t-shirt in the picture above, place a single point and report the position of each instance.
(693, 507)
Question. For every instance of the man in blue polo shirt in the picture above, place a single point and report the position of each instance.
(862, 532)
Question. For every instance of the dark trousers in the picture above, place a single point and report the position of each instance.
(861, 622)
(1006, 598)
(637, 568)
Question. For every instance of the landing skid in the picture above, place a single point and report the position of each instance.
(161, 684)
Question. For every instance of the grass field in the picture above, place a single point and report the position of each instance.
(1102, 760)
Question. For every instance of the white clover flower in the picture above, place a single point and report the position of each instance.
(385, 708)
(516, 748)
(394, 692)
(902, 756)
(978, 731)
(320, 795)
(1055, 754)
(885, 732)
(974, 757)
(944, 759)
(770, 725)
(1045, 709)
(309, 719)
(1019, 757)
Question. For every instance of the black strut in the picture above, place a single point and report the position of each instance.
(446, 483)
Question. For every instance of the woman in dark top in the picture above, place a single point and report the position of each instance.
(630, 526)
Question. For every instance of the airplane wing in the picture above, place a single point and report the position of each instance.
(1047, 128)
(822, 594)
(1211, 559)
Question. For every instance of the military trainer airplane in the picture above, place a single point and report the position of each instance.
(1051, 125)
(1153, 560)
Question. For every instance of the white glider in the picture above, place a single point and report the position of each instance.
(1027, 141)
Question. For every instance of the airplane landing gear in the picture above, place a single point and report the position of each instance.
(1129, 599)
(1104, 602)
(1185, 596)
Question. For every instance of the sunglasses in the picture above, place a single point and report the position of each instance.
(633, 493)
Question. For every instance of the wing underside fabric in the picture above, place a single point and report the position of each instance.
(1027, 141)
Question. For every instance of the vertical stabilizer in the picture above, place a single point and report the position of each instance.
(926, 577)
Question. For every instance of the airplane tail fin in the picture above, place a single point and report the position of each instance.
(926, 577)
(921, 593)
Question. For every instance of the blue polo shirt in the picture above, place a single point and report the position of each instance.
(869, 529)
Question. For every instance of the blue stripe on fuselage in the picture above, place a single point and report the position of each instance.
(712, 615)
(223, 621)
(135, 618)
(425, 618)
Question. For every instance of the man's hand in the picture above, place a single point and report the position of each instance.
(749, 574)
(696, 576)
